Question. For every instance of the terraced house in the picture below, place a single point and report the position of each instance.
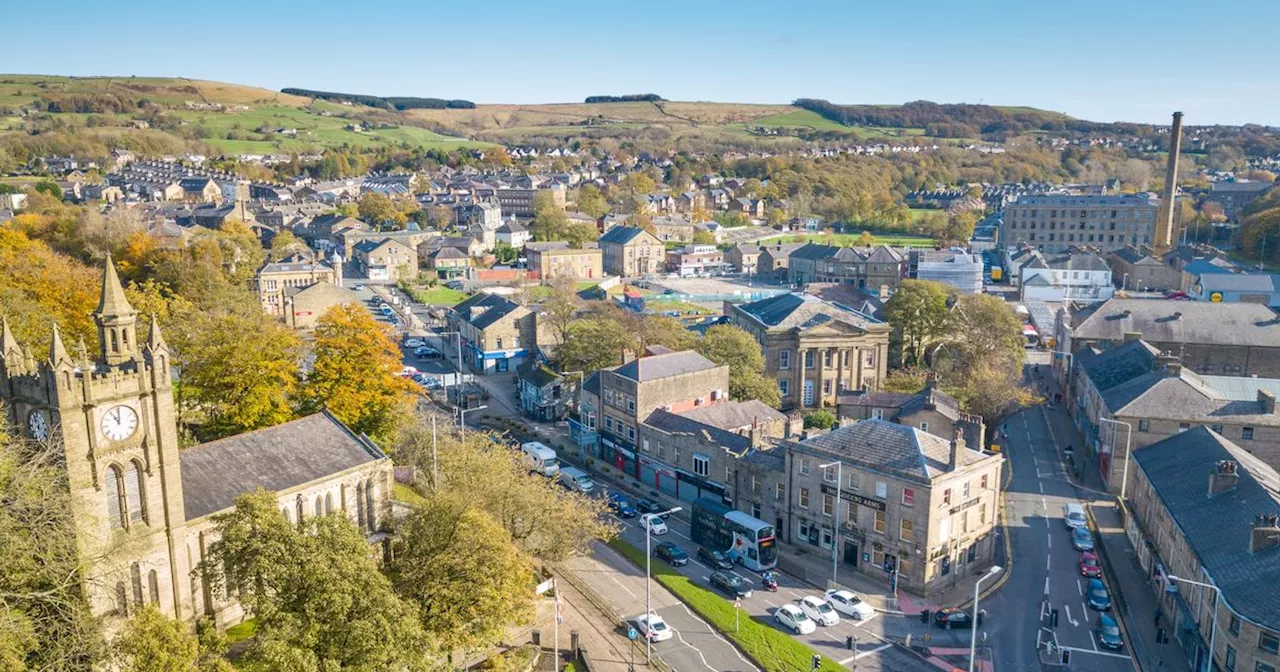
(497, 333)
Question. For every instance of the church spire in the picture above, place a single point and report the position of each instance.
(113, 302)
(154, 340)
(7, 342)
(57, 351)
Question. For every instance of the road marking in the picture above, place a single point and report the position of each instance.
(860, 654)
(1093, 640)
(770, 603)
(615, 580)
(1044, 503)
(1072, 621)
(717, 635)
(1040, 484)
(1097, 653)
(696, 649)
(1080, 587)
(1046, 563)
(1046, 586)
(1044, 609)
(1050, 539)
(1085, 611)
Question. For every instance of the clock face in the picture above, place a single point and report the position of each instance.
(119, 422)
(38, 425)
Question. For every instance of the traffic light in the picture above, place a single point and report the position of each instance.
(1066, 656)
(817, 662)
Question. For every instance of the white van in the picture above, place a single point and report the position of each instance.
(541, 458)
(1073, 515)
(577, 479)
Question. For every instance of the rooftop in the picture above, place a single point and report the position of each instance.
(803, 311)
(1196, 322)
(905, 452)
(664, 366)
(1183, 397)
(483, 309)
(731, 415)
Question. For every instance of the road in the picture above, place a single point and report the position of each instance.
(1045, 572)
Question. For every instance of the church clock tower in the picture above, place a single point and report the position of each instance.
(115, 420)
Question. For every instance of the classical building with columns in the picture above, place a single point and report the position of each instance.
(144, 510)
(815, 349)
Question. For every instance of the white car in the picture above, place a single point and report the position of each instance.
(653, 627)
(849, 604)
(415, 343)
(654, 523)
(791, 616)
(819, 610)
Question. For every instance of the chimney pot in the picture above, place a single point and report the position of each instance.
(1268, 401)
(957, 445)
(1265, 533)
(1224, 477)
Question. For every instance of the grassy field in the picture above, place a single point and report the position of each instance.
(241, 631)
(406, 494)
(849, 239)
(771, 649)
(439, 296)
(660, 305)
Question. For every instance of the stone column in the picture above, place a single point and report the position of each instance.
(819, 363)
(797, 385)
(857, 368)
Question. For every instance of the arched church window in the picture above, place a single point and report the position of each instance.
(298, 506)
(328, 503)
(115, 343)
(368, 504)
(134, 493)
(114, 487)
(135, 574)
(360, 505)
(319, 506)
(153, 587)
(122, 600)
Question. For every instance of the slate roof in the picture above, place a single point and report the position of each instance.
(1199, 322)
(814, 251)
(734, 414)
(884, 254)
(802, 311)
(536, 372)
(621, 235)
(496, 307)
(1242, 388)
(1204, 267)
(1130, 255)
(274, 459)
(1118, 365)
(664, 366)
(546, 246)
(1218, 529)
(781, 250)
(874, 399)
(512, 226)
(592, 383)
(1236, 282)
(446, 252)
(673, 423)
(1184, 398)
(888, 447)
(932, 399)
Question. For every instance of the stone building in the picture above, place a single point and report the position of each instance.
(910, 501)
(1054, 223)
(553, 260)
(1205, 510)
(744, 257)
(304, 306)
(630, 251)
(143, 509)
(275, 279)
(930, 410)
(497, 333)
(775, 260)
(1134, 268)
(386, 260)
(815, 350)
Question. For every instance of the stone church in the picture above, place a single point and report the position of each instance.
(143, 508)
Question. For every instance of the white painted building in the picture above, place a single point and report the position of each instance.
(1074, 276)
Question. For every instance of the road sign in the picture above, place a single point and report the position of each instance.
(631, 633)
(546, 586)
(737, 603)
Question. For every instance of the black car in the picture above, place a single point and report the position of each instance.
(953, 618)
(714, 559)
(671, 554)
(650, 506)
(731, 584)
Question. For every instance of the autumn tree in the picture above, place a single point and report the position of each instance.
(669, 332)
(593, 343)
(355, 373)
(153, 642)
(726, 344)
(39, 287)
(591, 202)
(917, 312)
(865, 239)
(286, 244)
(380, 210)
(560, 308)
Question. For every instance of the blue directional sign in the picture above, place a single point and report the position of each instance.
(632, 634)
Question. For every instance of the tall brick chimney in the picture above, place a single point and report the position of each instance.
(1268, 401)
(957, 445)
(1266, 533)
(1225, 476)
(1163, 238)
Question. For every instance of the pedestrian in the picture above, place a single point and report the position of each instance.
(1157, 617)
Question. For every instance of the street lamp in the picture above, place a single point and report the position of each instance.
(835, 539)
(458, 383)
(1213, 628)
(462, 417)
(648, 559)
(973, 635)
(1128, 435)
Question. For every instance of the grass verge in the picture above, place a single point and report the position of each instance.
(770, 648)
(439, 296)
(241, 631)
(404, 493)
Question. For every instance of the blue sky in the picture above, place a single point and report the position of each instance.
(1130, 60)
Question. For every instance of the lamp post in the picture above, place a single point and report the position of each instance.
(457, 386)
(835, 539)
(1128, 436)
(973, 635)
(1213, 628)
(1124, 284)
(648, 560)
(462, 417)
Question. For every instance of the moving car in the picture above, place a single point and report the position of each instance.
(849, 604)
(714, 559)
(577, 480)
(650, 506)
(1089, 565)
(653, 627)
(653, 523)
(414, 343)
(426, 352)
(541, 458)
(1098, 596)
(953, 618)
(622, 506)
(791, 616)
(731, 584)
(671, 554)
(1108, 632)
(1082, 539)
(819, 610)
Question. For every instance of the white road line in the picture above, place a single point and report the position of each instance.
(696, 650)
(770, 603)
(1080, 587)
(1093, 639)
(1072, 621)
(716, 634)
(1085, 611)
(1044, 503)
(615, 580)
(1049, 539)
(1040, 484)
(1046, 563)
(878, 649)
(1099, 653)
(1046, 586)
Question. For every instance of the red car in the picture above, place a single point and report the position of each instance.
(1089, 565)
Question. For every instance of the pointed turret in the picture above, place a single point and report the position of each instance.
(117, 321)
(113, 302)
(7, 341)
(57, 351)
(82, 355)
(155, 341)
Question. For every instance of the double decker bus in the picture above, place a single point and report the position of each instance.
(748, 540)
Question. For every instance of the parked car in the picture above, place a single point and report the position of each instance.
(1089, 565)
(622, 506)
(408, 371)
(1082, 539)
(433, 384)
(653, 523)
(1108, 632)
(714, 559)
(819, 610)
(414, 343)
(849, 604)
(426, 352)
(671, 554)
(790, 616)
(1073, 515)
(652, 627)
(1098, 596)
(650, 506)
(731, 584)
(359, 287)
(953, 618)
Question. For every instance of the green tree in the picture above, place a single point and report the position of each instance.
(380, 210)
(918, 314)
(153, 642)
(355, 373)
(594, 343)
(285, 244)
(726, 344)
(503, 253)
(462, 569)
(702, 237)
(591, 202)
(549, 220)
(865, 239)
(319, 600)
(661, 330)
(560, 308)
(49, 187)
(819, 419)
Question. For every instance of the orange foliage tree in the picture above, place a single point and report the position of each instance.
(39, 286)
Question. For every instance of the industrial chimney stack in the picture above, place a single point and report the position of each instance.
(1164, 218)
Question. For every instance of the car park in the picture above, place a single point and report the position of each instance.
(819, 610)
(731, 584)
(622, 506)
(1098, 596)
(953, 618)
(671, 554)
(1108, 632)
(1082, 539)
(653, 523)
(790, 616)
(653, 628)
(1089, 565)
(849, 604)
(714, 559)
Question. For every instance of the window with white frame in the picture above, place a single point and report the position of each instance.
(828, 505)
(804, 498)
(779, 492)
(755, 483)
(964, 491)
(877, 413)
(882, 489)
(804, 466)
(829, 474)
(784, 359)
(701, 464)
